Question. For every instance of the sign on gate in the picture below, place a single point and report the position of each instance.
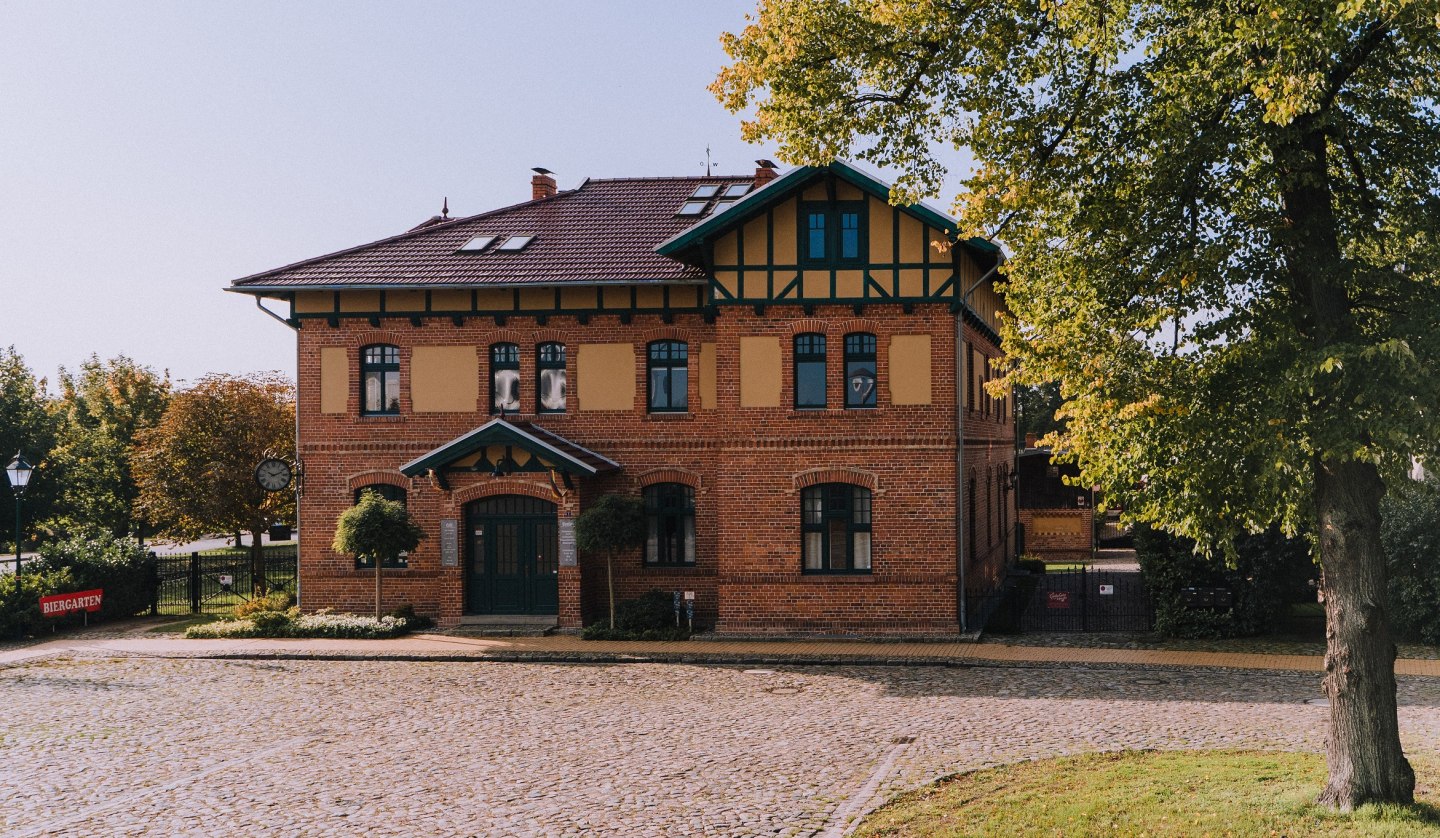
(1107, 590)
(59, 604)
(1058, 599)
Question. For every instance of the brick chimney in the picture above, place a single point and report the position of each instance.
(1030, 440)
(764, 172)
(542, 185)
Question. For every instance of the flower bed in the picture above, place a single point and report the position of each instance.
(291, 623)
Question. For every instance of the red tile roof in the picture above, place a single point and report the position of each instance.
(605, 230)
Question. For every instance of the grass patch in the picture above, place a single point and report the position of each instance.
(1152, 793)
(179, 626)
(1062, 567)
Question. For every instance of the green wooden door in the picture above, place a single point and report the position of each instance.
(513, 557)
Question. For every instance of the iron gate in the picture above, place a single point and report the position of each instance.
(1074, 600)
(196, 583)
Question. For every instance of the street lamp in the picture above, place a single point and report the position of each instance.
(19, 471)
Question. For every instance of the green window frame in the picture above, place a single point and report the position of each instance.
(550, 378)
(810, 385)
(832, 233)
(504, 378)
(835, 528)
(667, 376)
(670, 525)
(380, 380)
(387, 491)
(862, 374)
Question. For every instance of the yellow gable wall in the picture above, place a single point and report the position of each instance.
(444, 379)
(605, 376)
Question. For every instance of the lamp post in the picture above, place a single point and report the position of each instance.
(19, 471)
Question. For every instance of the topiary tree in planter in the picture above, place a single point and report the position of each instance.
(611, 525)
(379, 530)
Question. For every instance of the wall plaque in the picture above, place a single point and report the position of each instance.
(567, 542)
(449, 542)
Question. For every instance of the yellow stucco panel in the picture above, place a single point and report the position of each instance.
(912, 239)
(537, 299)
(314, 302)
(616, 296)
(444, 379)
(650, 296)
(486, 299)
(405, 301)
(360, 301)
(912, 282)
(849, 284)
(816, 192)
(453, 299)
(709, 390)
(882, 232)
(910, 369)
(605, 376)
(785, 235)
(847, 191)
(334, 379)
(886, 280)
(730, 281)
(759, 371)
(582, 297)
(934, 240)
(727, 250)
(816, 285)
(756, 244)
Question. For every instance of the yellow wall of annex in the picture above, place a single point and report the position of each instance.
(910, 369)
(334, 379)
(605, 374)
(759, 372)
(444, 379)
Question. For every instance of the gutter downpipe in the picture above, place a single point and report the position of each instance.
(299, 476)
(961, 389)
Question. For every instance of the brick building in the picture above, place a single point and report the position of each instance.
(778, 364)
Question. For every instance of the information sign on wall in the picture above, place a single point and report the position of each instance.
(567, 542)
(449, 542)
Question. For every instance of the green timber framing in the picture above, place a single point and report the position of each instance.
(491, 448)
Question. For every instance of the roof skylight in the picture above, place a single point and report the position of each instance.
(735, 190)
(692, 207)
(514, 243)
(476, 244)
(709, 190)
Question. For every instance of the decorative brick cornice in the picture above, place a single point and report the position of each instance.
(668, 475)
(858, 324)
(357, 338)
(842, 474)
(378, 477)
(504, 336)
(667, 333)
(807, 326)
(504, 486)
(551, 336)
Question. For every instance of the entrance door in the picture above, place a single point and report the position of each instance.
(513, 557)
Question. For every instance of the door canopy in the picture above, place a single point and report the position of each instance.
(500, 447)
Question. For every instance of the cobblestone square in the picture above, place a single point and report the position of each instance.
(134, 745)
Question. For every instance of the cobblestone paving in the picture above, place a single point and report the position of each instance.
(132, 746)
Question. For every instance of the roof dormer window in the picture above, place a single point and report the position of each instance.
(476, 244)
(513, 244)
(692, 208)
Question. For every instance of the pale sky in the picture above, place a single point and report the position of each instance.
(150, 152)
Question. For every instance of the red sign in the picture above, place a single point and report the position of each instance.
(55, 606)
(1057, 599)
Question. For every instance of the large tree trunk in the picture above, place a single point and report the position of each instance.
(1363, 748)
(1366, 763)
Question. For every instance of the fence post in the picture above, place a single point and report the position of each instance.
(155, 589)
(1085, 597)
(195, 582)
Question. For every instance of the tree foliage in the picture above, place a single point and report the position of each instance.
(376, 529)
(195, 469)
(24, 426)
(611, 525)
(101, 410)
(1222, 219)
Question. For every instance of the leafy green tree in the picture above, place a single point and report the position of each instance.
(379, 530)
(1036, 406)
(611, 525)
(25, 426)
(195, 469)
(1223, 225)
(100, 411)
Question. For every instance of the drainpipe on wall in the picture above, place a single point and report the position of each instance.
(961, 388)
(299, 475)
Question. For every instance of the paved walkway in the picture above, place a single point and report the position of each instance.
(563, 648)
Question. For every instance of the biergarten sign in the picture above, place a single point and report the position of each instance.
(62, 604)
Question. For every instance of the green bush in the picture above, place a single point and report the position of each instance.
(278, 600)
(20, 600)
(1410, 533)
(1031, 564)
(415, 621)
(291, 623)
(119, 566)
(648, 617)
(1270, 572)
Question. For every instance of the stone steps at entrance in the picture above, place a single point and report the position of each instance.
(506, 625)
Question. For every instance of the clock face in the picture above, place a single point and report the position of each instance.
(272, 474)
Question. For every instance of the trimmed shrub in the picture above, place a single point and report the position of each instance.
(1270, 572)
(650, 616)
(278, 600)
(120, 566)
(1410, 533)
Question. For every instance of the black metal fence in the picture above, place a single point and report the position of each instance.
(1081, 600)
(199, 583)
